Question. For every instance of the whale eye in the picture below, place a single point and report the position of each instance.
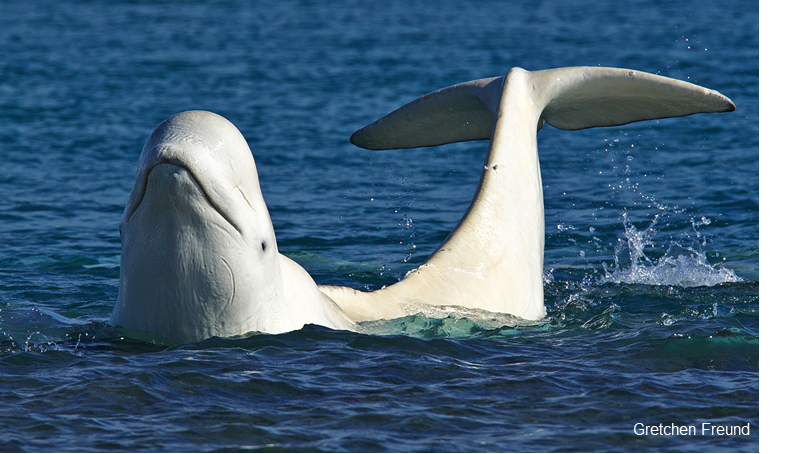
(263, 246)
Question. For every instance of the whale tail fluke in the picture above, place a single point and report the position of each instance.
(568, 98)
(493, 259)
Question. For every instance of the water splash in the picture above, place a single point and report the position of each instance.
(684, 266)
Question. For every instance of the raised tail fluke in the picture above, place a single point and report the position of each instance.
(493, 259)
(569, 98)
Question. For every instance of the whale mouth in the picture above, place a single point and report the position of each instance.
(171, 167)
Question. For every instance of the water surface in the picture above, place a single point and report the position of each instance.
(652, 238)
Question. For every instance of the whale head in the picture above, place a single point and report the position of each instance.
(199, 256)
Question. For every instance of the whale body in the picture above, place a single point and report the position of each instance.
(199, 255)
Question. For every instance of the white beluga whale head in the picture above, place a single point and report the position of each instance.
(199, 255)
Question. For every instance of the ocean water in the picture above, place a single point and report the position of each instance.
(652, 230)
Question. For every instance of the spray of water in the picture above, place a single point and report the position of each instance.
(684, 266)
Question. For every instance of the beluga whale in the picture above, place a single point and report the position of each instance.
(199, 255)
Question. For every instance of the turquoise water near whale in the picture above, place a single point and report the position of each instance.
(652, 230)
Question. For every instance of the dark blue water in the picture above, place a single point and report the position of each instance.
(652, 237)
